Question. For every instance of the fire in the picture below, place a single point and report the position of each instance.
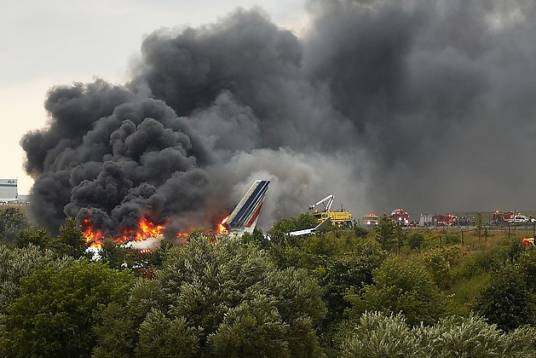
(93, 237)
(145, 229)
(221, 229)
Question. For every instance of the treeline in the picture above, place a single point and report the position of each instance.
(385, 293)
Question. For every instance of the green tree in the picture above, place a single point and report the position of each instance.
(401, 286)
(377, 335)
(112, 254)
(386, 233)
(479, 225)
(160, 337)
(280, 229)
(70, 240)
(223, 291)
(352, 270)
(439, 262)
(416, 240)
(474, 337)
(250, 328)
(507, 302)
(12, 220)
(117, 332)
(256, 238)
(56, 311)
(33, 236)
(526, 263)
(360, 231)
(16, 264)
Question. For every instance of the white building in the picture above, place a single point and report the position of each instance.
(8, 190)
(426, 220)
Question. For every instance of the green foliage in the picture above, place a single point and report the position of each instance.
(56, 310)
(352, 270)
(508, 302)
(280, 229)
(401, 286)
(360, 231)
(112, 254)
(379, 335)
(285, 297)
(12, 220)
(33, 236)
(473, 337)
(160, 337)
(251, 328)
(439, 261)
(70, 241)
(221, 294)
(451, 238)
(16, 264)
(386, 233)
(479, 224)
(256, 238)
(416, 241)
(527, 266)
(117, 333)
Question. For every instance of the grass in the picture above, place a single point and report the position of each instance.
(470, 272)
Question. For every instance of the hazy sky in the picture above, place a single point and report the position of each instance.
(45, 43)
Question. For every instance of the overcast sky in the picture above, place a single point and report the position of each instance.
(46, 43)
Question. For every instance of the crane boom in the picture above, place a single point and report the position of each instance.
(327, 202)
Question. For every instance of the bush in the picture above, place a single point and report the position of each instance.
(404, 287)
(507, 302)
(386, 233)
(16, 264)
(57, 310)
(379, 335)
(221, 294)
(12, 220)
(439, 261)
(416, 240)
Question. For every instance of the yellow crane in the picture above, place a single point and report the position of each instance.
(322, 211)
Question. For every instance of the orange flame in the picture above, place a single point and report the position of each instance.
(145, 229)
(221, 229)
(93, 237)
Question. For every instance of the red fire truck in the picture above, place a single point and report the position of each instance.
(400, 216)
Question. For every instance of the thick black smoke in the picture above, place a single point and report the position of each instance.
(427, 105)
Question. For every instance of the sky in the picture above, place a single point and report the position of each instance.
(47, 43)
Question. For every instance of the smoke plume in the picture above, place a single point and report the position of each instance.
(427, 105)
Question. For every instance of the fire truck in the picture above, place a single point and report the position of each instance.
(502, 217)
(371, 219)
(400, 216)
(445, 220)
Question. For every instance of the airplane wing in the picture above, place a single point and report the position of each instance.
(318, 228)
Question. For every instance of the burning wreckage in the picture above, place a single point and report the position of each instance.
(243, 219)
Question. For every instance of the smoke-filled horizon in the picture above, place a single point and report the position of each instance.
(426, 105)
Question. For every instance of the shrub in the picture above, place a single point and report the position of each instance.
(379, 335)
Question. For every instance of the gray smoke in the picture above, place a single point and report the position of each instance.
(421, 104)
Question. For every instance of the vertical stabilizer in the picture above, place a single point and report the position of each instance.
(245, 215)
